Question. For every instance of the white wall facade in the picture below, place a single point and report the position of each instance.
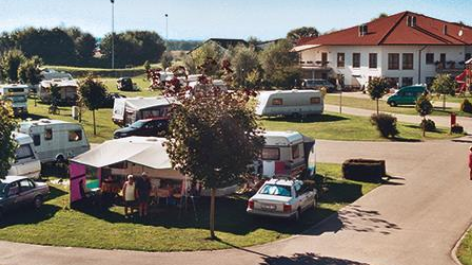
(352, 76)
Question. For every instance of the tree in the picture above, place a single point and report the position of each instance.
(303, 32)
(280, 64)
(10, 64)
(424, 108)
(84, 43)
(377, 88)
(92, 94)
(7, 127)
(166, 60)
(200, 56)
(29, 71)
(381, 15)
(244, 60)
(444, 85)
(213, 137)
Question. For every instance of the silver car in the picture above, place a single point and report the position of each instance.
(19, 192)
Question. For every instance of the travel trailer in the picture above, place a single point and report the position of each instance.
(296, 103)
(54, 140)
(129, 110)
(67, 88)
(27, 163)
(287, 154)
(17, 95)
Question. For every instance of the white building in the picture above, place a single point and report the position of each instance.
(407, 48)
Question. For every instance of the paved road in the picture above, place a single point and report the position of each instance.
(442, 121)
(415, 220)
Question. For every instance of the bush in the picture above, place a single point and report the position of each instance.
(466, 106)
(386, 124)
(428, 125)
(364, 170)
(456, 128)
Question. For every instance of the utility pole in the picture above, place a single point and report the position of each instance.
(112, 34)
(167, 27)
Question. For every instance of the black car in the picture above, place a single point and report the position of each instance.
(149, 127)
(125, 84)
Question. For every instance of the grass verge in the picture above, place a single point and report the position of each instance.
(464, 252)
(168, 229)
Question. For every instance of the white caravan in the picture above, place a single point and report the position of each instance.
(67, 89)
(17, 95)
(27, 163)
(56, 140)
(294, 103)
(128, 110)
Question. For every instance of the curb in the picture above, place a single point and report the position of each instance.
(456, 246)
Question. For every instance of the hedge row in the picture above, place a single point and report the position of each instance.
(82, 72)
(364, 170)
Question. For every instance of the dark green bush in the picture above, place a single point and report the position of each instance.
(364, 170)
(456, 128)
(466, 106)
(386, 124)
(428, 125)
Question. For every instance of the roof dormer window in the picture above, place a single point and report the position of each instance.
(363, 30)
(411, 21)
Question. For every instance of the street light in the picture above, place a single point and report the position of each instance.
(167, 26)
(112, 34)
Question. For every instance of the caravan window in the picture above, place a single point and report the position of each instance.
(24, 152)
(37, 139)
(48, 134)
(148, 114)
(295, 152)
(277, 101)
(270, 153)
(315, 100)
(75, 136)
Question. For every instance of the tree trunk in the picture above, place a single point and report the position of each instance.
(424, 126)
(444, 102)
(212, 214)
(94, 125)
(377, 101)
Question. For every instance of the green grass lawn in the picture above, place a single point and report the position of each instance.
(169, 230)
(140, 81)
(331, 126)
(333, 99)
(464, 253)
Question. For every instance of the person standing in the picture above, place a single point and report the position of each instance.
(129, 195)
(144, 191)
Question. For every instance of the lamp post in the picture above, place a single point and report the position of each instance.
(167, 26)
(112, 34)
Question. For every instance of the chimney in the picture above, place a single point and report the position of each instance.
(445, 30)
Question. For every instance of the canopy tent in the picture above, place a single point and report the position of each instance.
(135, 154)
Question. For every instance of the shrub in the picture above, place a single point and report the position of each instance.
(364, 170)
(456, 128)
(428, 125)
(466, 106)
(386, 124)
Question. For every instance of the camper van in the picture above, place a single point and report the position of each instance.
(27, 163)
(287, 154)
(55, 140)
(126, 111)
(17, 95)
(296, 103)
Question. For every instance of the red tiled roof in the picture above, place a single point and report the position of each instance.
(393, 30)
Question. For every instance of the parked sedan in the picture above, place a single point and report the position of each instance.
(318, 84)
(19, 192)
(282, 198)
(149, 127)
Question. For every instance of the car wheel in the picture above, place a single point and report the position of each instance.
(38, 202)
(392, 104)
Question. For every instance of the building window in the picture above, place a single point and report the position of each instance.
(407, 81)
(324, 58)
(277, 101)
(430, 58)
(408, 61)
(372, 60)
(341, 60)
(443, 59)
(270, 153)
(468, 56)
(393, 61)
(393, 82)
(75, 136)
(356, 60)
(48, 134)
(315, 100)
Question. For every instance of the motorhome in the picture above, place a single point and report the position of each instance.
(26, 163)
(54, 140)
(67, 89)
(296, 103)
(17, 95)
(287, 154)
(129, 110)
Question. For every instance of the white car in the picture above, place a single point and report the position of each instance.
(282, 198)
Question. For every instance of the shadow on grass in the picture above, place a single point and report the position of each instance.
(307, 258)
(309, 119)
(28, 216)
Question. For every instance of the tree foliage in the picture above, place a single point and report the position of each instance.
(166, 60)
(29, 71)
(444, 85)
(199, 57)
(303, 32)
(280, 64)
(10, 63)
(424, 107)
(244, 61)
(92, 94)
(7, 126)
(377, 88)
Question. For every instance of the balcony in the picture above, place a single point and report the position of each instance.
(317, 65)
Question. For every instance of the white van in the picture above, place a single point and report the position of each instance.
(56, 140)
(294, 102)
(17, 95)
(27, 163)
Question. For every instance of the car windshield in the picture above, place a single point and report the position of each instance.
(138, 124)
(277, 190)
(17, 99)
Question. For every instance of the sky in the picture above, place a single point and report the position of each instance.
(202, 19)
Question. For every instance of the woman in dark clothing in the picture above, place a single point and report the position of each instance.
(144, 191)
